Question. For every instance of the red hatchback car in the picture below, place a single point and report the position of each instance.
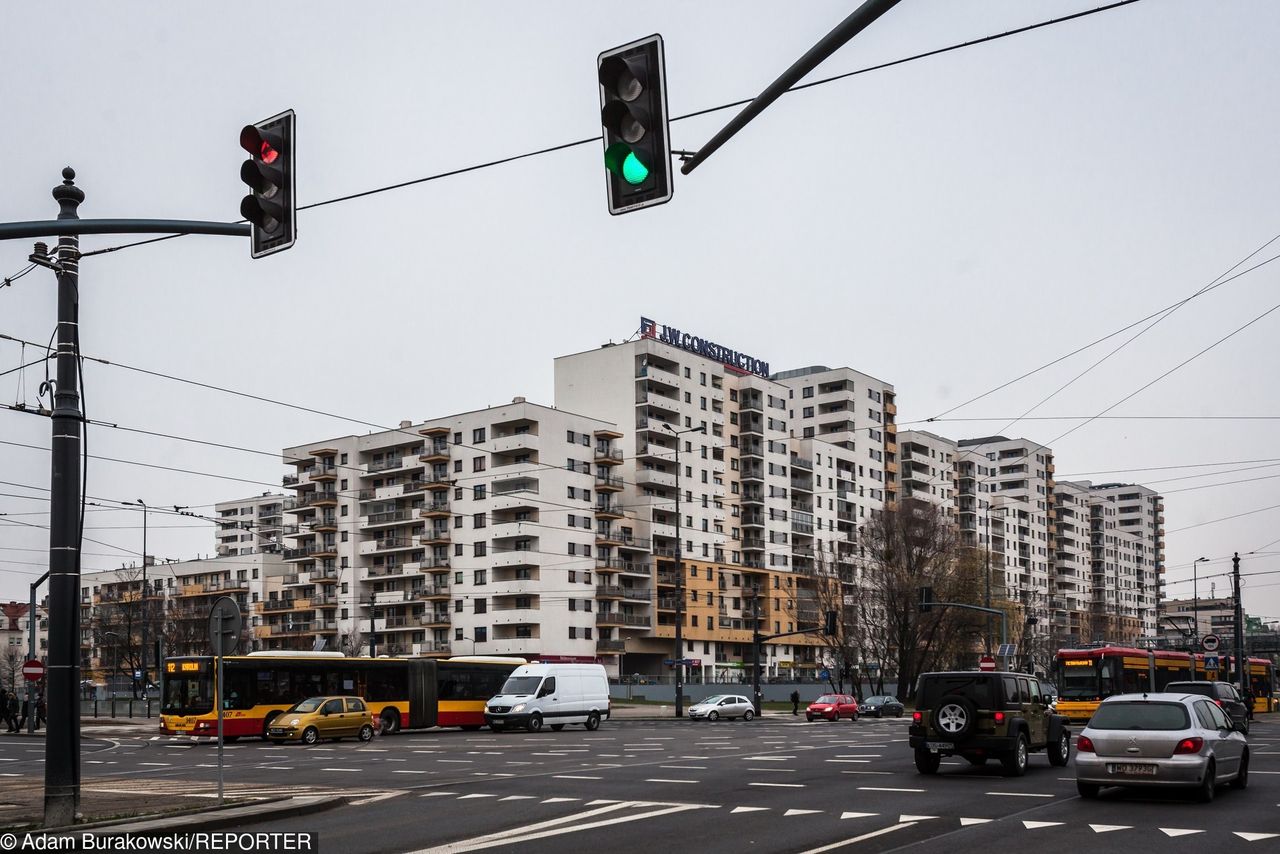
(833, 707)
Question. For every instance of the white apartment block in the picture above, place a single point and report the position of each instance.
(488, 532)
(251, 525)
(927, 464)
(1132, 556)
(1073, 563)
(764, 510)
(15, 625)
(1207, 615)
(1006, 494)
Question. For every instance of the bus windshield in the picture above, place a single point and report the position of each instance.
(188, 694)
(1078, 683)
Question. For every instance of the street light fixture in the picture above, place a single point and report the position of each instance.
(680, 574)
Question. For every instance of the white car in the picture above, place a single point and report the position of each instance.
(722, 706)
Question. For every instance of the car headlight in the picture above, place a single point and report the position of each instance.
(519, 707)
(295, 722)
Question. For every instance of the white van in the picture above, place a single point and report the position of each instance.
(551, 694)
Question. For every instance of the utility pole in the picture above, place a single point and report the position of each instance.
(680, 604)
(1242, 660)
(31, 654)
(144, 602)
(62, 742)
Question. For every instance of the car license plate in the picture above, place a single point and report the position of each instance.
(1135, 770)
(938, 745)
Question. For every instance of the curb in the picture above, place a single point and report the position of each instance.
(231, 815)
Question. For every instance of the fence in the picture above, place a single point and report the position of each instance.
(121, 707)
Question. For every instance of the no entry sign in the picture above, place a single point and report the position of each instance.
(33, 670)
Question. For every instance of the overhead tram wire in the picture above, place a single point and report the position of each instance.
(707, 111)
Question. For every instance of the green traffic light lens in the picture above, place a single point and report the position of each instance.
(621, 160)
(633, 171)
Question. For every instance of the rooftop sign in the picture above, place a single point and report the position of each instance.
(702, 347)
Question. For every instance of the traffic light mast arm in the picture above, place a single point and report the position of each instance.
(54, 227)
(860, 19)
(1004, 618)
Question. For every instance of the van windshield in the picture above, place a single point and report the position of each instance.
(521, 684)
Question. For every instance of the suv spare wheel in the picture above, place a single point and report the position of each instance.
(953, 717)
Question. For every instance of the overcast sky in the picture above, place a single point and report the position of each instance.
(948, 225)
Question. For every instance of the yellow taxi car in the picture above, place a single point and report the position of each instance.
(323, 717)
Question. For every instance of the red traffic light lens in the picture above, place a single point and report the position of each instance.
(267, 153)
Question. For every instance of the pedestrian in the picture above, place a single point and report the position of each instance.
(795, 702)
(11, 711)
(22, 718)
(40, 711)
(1248, 703)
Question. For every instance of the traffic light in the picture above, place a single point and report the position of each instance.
(830, 628)
(270, 207)
(633, 110)
(926, 599)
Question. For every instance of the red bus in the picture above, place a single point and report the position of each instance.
(401, 692)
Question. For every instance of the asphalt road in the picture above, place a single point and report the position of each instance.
(768, 785)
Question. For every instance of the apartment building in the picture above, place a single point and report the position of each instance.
(766, 509)
(495, 531)
(1073, 563)
(1208, 615)
(174, 605)
(1132, 556)
(250, 525)
(927, 464)
(15, 624)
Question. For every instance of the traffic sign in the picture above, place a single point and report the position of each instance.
(1210, 643)
(1211, 662)
(225, 624)
(824, 674)
(986, 663)
(1007, 650)
(669, 662)
(33, 670)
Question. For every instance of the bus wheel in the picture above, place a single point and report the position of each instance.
(390, 721)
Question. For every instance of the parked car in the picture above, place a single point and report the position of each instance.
(555, 694)
(982, 715)
(1166, 739)
(882, 707)
(1222, 693)
(833, 707)
(722, 706)
(322, 717)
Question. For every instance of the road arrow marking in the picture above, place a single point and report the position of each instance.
(904, 818)
(736, 810)
(1178, 831)
(1107, 828)
(1254, 837)
(1033, 825)
(563, 800)
(800, 812)
(965, 822)
(517, 798)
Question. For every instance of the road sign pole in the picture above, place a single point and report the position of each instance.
(221, 705)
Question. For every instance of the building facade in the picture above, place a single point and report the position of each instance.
(251, 525)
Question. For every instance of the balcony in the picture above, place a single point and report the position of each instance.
(608, 482)
(393, 517)
(613, 564)
(435, 537)
(392, 463)
(436, 480)
(323, 472)
(435, 510)
(610, 647)
(324, 575)
(435, 561)
(614, 618)
(289, 481)
(608, 510)
(610, 536)
(435, 452)
(437, 618)
(324, 524)
(607, 456)
(386, 545)
(436, 591)
(304, 553)
(514, 443)
(653, 477)
(430, 648)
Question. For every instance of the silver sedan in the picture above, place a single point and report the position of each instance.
(1160, 740)
(722, 706)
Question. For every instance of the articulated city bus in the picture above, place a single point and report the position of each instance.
(1085, 677)
(401, 692)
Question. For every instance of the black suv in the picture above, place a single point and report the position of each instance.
(1222, 693)
(981, 715)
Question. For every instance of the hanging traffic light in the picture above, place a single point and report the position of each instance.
(633, 111)
(830, 628)
(270, 207)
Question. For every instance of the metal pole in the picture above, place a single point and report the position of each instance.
(1195, 616)
(988, 596)
(220, 707)
(755, 651)
(861, 18)
(1242, 660)
(62, 742)
(145, 600)
(679, 595)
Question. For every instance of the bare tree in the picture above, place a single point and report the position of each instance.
(11, 661)
(351, 643)
(830, 588)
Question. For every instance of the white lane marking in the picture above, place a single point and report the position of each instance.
(1178, 831)
(878, 773)
(1107, 828)
(774, 770)
(965, 822)
(885, 789)
(1254, 837)
(471, 761)
(439, 794)
(845, 815)
(882, 831)
(800, 812)
(560, 800)
(859, 761)
(549, 828)
(580, 776)
(473, 796)
(340, 769)
(161, 764)
(517, 798)
(779, 785)
(857, 756)
(274, 767)
(1018, 794)
(422, 772)
(1034, 825)
(770, 758)
(914, 818)
(747, 809)
(685, 767)
(661, 780)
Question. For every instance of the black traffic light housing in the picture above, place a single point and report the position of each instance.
(926, 599)
(270, 206)
(633, 111)
(829, 628)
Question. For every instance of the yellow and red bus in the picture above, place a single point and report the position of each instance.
(401, 692)
(1085, 677)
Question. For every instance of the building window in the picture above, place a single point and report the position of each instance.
(457, 634)
(482, 606)
(478, 492)
(482, 634)
(478, 520)
(457, 465)
(457, 438)
(477, 464)
(573, 603)
(457, 606)
(481, 576)
(481, 549)
(572, 437)
(807, 392)
(477, 436)
(573, 633)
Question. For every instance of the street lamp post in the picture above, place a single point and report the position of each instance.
(115, 670)
(680, 576)
(143, 655)
(1195, 613)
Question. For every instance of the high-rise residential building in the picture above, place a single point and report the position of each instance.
(1073, 563)
(767, 507)
(494, 532)
(251, 525)
(1131, 561)
(927, 465)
